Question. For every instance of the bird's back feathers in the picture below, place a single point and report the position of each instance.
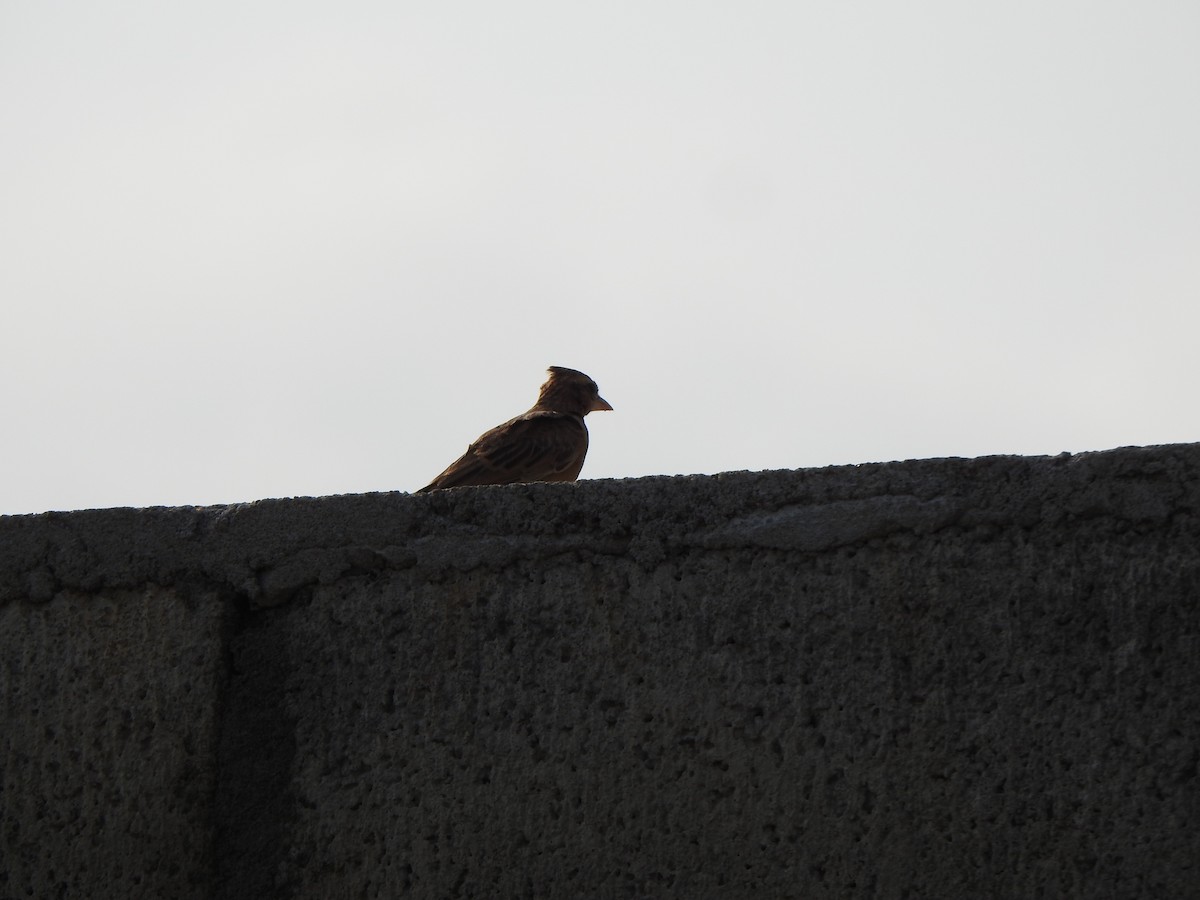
(537, 446)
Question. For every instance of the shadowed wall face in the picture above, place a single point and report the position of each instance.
(109, 751)
(920, 679)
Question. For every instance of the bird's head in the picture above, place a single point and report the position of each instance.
(569, 391)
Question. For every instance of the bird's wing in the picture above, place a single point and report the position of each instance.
(537, 446)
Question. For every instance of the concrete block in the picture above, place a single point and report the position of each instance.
(923, 679)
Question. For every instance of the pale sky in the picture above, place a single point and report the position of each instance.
(271, 249)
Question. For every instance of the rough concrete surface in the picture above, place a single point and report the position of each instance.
(941, 678)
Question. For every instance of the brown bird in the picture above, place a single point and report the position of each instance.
(548, 443)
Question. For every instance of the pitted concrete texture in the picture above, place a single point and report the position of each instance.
(108, 745)
(942, 678)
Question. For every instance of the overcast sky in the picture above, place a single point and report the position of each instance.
(271, 249)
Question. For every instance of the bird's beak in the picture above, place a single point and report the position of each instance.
(600, 405)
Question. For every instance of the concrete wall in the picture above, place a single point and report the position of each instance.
(942, 678)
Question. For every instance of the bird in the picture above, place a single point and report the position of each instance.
(547, 443)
